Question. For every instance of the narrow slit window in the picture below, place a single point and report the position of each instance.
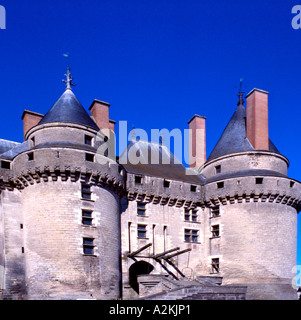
(292, 183)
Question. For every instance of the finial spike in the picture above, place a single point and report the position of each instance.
(68, 82)
(240, 93)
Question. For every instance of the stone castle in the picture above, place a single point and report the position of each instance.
(76, 224)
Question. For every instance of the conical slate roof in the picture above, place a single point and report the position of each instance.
(69, 109)
(234, 139)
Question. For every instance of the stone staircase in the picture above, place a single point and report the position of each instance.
(202, 288)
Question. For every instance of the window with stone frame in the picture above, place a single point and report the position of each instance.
(191, 235)
(141, 231)
(87, 218)
(215, 212)
(141, 209)
(86, 192)
(191, 215)
(215, 232)
(215, 267)
(88, 246)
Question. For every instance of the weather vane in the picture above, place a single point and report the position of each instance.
(68, 82)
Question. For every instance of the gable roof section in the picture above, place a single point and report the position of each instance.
(69, 109)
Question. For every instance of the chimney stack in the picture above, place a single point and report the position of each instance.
(30, 120)
(258, 119)
(100, 113)
(197, 141)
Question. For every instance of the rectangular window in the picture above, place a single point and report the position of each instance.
(215, 265)
(30, 156)
(33, 141)
(215, 212)
(88, 246)
(259, 180)
(86, 192)
(138, 179)
(88, 140)
(166, 184)
(215, 231)
(218, 169)
(191, 215)
(90, 157)
(141, 209)
(141, 231)
(220, 185)
(87, 217)
(292, 183)
(193, 188)
(191, 235)
(5, 165)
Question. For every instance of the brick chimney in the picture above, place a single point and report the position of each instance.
(30, 119)
(257, 121)
(100, 113)
(197, 141)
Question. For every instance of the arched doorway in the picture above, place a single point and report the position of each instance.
(136, 269)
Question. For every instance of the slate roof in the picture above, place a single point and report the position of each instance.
(233, 138)
(69, 109)
(169, 166)
(14, 151)
(6, 145)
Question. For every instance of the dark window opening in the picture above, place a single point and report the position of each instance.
(138, 179)
(141, 229)
(30, 156)
(259, 180)
(88, 246)
(141, 209)
(87, 218)
(193, 188)
(218, 169)
(215, 212)
(166, 184)
(191, 235)
(86, 192)
(215, 265)
(88, 140)
(215, 231)
(292, 183)
(220, 185)
(5, 165)
(33, 141)
(90, 157)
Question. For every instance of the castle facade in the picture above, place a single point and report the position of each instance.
(79, 224)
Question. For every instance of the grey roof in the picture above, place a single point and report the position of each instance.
(13, 152)
(69, 109)
(6, 145)
(233, 138)
(168, 166)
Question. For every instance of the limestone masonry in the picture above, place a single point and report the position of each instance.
(77, 224)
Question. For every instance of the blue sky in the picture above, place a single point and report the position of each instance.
(157, 62)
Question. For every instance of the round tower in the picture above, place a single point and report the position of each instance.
(71, 206)
(253, 206)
